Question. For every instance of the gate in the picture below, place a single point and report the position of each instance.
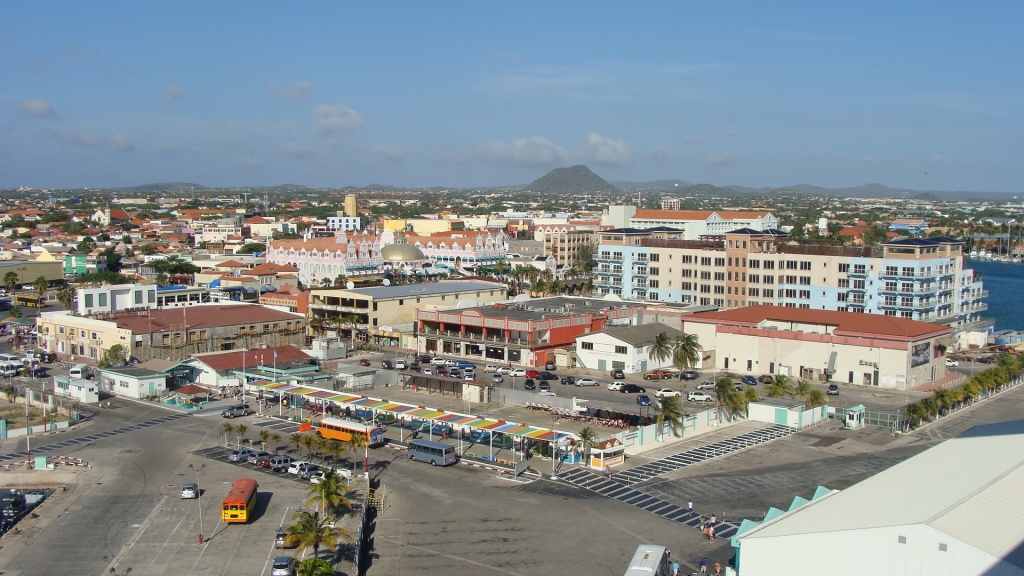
(882, 419)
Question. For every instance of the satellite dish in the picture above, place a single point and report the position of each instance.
(468, 303)
(350, 285)
(522, 298)
(612, 298)
(387, 282)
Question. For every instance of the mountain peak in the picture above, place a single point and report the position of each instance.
(572, 180)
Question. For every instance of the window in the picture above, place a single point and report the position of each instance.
(805, 294)
(841, 296)
(790, 293)
(138, 296)
(704, 275)
(720, 276)
(620, 350)
(719, 261)
(653, 284)
(844, 282)
(790, 279)
(805, 280)
(616, 255)
(687, 259)
(769, 265)
(151, 296)
(705, 261)
(755, 263)
(719, 289)
(88, 301)
(844, 268)
(618, 365)
(652, 296)
(587, 345)
(653, 271)
(859, 269)
(858, 284)
(790, 264)
(655, 257)
(769, 279)
(805, 265)
(769, 293)
(755, 292)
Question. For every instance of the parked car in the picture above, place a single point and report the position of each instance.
(547, 376)
(568, 380)
(189, 490)
(706, 385)
(264, 460)
(545, 387)
(284, 566)
(255, 456)
(424, 358)
(468, 375)
(698, 396)
(364, 361)
(586, 381)
(518, 373)
(617, 374)
(281, 540)
(305, 470)
(497, 379)
(531, 373)
(427, 371)
(237, 410)
(293, 468)
(438, 361)
(441, 371)
(666, 392)
(450, 363)
(643, 400)
(387, 365)
(833, 390)
(239, 455)
(316, 477)
(465, 364)
(657, 375)
(280, 463)
(505, 370)
(401, 365)
(490, 368)
(454, 373)
(749, 380)
(550, 366)
(530, 384)
(616, 386)
(949, 362)
(414, 367)
(632, 389)
(689, 375)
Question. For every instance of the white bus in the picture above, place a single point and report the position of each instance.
(650, 560)
(433, 452)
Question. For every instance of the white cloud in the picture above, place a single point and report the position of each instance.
(297, 151)
(330, 119)
(533, 152)
(604, 151)
(175, 92)
(120, 142)
(296, 93)
(718, 159)
(389, 153)
(35, 107)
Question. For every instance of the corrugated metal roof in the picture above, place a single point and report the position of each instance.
(970, 487)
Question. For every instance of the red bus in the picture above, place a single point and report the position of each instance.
(241, 501)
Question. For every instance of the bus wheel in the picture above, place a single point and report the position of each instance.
(411, 457)
(433, 462)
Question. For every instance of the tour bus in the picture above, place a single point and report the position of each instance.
(650, 560)
(433, 452)
(241, 501)
(339, 429)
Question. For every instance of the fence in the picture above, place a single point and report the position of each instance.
(521, 397)
(649, 434)
(357, 553)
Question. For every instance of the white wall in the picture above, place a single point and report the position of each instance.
(635, 360)
(874, 551)
(114, 298)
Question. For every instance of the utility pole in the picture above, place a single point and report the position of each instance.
(199, 497)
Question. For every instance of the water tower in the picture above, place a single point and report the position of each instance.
(351, 209)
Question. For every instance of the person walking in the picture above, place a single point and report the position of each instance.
(703, 565)
(718, 569)
(675, 569)
(713, 521)
(607, 472)
(689, 506)
(711, 534)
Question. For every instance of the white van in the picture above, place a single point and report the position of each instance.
(11, 359)
(79, 371)
(9, 369)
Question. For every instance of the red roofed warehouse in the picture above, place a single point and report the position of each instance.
(822, 345)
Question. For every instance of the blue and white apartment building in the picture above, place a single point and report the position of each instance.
(918, 279)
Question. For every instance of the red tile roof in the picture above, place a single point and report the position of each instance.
(253, 358)
(845, 323)
(230, 264)
(119, 214)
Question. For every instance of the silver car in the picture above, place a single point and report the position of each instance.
(239, 455)
(284, 566)
(255, 455)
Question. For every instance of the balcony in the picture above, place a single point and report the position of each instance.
(473, 337)
(854, 272)
(913, 290)
(911, 274)
(969, 308)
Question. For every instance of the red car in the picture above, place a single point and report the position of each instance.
(265, 461)
(532, 374)
(364, 362)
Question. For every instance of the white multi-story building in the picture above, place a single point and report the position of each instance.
(697, 223)
(344, 223)
(115, 298)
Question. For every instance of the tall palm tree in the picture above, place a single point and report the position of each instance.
(318, 446)
(779, 387)
(586, 441)
(915, 412)
(729, 401)
(314, 567)
(671, 411)
(11, 392)
(750, 395)
(311, 530)
(661, 349)
(66, 296)
(264, 437)
(242, 431)
(307, 443)
(295, 441)
(685, 352)
(11, 283)
(803, 388)
(354, 443)
(815, 398)
(930, 407)
(329, 495)
(228, 429)
(334, 449)
(277, 440)
(41, 285)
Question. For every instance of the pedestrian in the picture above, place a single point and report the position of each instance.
(607, 472)
(675, 569)
(704, 530)
(689, 506)
(711, 534)
(713, 521)
(703, 565)
(718, 569)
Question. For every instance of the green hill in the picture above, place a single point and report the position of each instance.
(572, 180)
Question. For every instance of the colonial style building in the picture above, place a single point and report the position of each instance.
(346, 254)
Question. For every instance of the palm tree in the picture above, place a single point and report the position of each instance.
(41, 285)
(557, 287)
(685, 352)
(315, 567)
(779, 387)
(355, 442)
(295, 441)
(264, 436)
(586, 441)
(672, 412)
(277, 440)
(661, 348)
(750, 395)
(242, 430)
(803, 388)
(11, 283)
(334, 449)
(325, 282)
(307, 443)
(311, 530)
(729, 401)
(329, 494)
(930, 407)
(228, 429)
(162, 279)
(11, 392)
(815, 397)
(318, 446)
(66, 296)
(915, 412)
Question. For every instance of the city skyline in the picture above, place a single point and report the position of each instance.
(409, 95)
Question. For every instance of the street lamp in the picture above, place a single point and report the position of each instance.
(199, 497)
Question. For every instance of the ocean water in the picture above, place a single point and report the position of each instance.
(1005, 284)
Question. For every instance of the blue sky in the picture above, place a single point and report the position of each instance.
(924, 96)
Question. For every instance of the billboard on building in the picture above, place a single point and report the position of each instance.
(920, 354)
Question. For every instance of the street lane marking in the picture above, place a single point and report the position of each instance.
(285, 515)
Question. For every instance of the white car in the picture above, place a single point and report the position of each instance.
(586, 382)
(490, 368)
(401, 365)
(293, 468)
(504, 371)
(666, 392)
(951, 362)
(451, 363)
(427, 371)
(190, 490)
(439, 361)
(616, 386)
(705, 386)
(518, 372)
(698, 396)
(545, 393)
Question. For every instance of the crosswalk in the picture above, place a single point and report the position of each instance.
(92, 437)
(623, 493)
(279, 425)
(702, 453)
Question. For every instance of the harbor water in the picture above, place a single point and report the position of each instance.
(1005, 284)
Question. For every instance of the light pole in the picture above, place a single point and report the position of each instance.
(199, 497)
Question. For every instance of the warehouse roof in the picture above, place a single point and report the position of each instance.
(970, 487)
(201, 317)
(844, 323)
(637, 335)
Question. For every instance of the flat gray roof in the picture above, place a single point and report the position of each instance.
(427, 289)
(133, 372)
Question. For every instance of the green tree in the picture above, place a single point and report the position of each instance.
(277, 440)
(661, 349)
(149, 249)
(334, 449)
(74, 228)
(112, 259)
(815, 398)
(228, 429)
(295, 441)
(685, 352)
(11, 392)
(251, 248)
(15, 312)
(803, 388)
(41, 285)
(779, 387)
(311, 530)
(729, 400)
(11, 282)
(586, 440)
(329, 495)
(671, 411)
(264, 437)
(315, 567)
(242, 431)
(162, 279)
(66, 296)
(355, 442)
(915, 412)
(86, 245)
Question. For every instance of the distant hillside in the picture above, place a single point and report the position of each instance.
(706, 190)
(572, 180)
(163, 186)
(284, 187)
(651, 185)
(381, 187)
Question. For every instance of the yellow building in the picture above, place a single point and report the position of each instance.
(351, 206)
